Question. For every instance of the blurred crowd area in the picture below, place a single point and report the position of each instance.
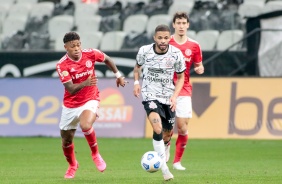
(116, 25)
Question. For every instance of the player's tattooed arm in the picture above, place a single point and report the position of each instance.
(74, 88)
(136, 72)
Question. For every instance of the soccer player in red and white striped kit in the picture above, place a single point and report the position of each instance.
(193, 55)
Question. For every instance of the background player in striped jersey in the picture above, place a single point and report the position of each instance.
(81, 98)
(193, 55)
(159, 92)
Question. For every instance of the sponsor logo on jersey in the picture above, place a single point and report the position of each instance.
(188, 59)
(88, 72)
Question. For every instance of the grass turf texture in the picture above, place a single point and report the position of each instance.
(40, 160)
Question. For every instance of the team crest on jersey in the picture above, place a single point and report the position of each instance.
(152, 105)
(188, 52)
(169, 63)
(88, 64)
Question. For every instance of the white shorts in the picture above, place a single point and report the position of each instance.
(70, 116)
(184, 107)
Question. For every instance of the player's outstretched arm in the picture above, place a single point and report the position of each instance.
(111, 65)
(136, 72)
(74, 88)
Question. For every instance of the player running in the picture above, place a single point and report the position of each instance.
(160, 61)
(81, 98)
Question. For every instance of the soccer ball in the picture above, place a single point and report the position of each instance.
(151, 161)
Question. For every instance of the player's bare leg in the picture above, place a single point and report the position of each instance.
(167, 134)
(181, 141)
(158, 143)
(87, 118)
(68, 149)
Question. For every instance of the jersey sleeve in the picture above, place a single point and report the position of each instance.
(140, 57)
(197, 54)
(63, 73)
(98, 55)
(180, 63)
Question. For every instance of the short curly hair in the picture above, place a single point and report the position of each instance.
(70, 36)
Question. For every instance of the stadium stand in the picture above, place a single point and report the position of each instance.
(271, 6)
(30, 2)
(207, 39)
(135, 24)
(112, 40)
(83, 10)
(155, 20)
(91, 39)
(88, 23)
(191, 34)
(181, 6)
(39, 10)
(133, 21)
(19, 10)
(229, 37)
(59, 25)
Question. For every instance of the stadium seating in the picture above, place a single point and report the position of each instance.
(191, 34)
(42, 9)
(30, 2)
(135, 24)
(250, 10)
(83, 10)
(207, 39)
(19, 10)
(4, 9)
(155, 20)
(112, 41)
(59, 25)
(14, 24)
(183, 6)
(229, 37)
(272, 6)
(88, 23)
(91, 39)
(7, 2)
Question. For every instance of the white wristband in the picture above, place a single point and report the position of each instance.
(136, 82)
(118, 75)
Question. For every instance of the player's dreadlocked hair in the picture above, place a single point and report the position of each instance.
(180, 15)
(70, 37)
(162, 27)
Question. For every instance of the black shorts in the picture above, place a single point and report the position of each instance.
(167, 116)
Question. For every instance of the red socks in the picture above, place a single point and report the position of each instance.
(180, 147)
(91, 139)
(69, 154)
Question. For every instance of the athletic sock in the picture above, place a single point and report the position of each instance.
(180, 147)
(160, 148)
(91, 139)
(69, 154)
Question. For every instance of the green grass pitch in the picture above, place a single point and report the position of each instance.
(40, 160)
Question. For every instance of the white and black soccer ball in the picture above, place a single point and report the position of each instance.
(151, 161)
